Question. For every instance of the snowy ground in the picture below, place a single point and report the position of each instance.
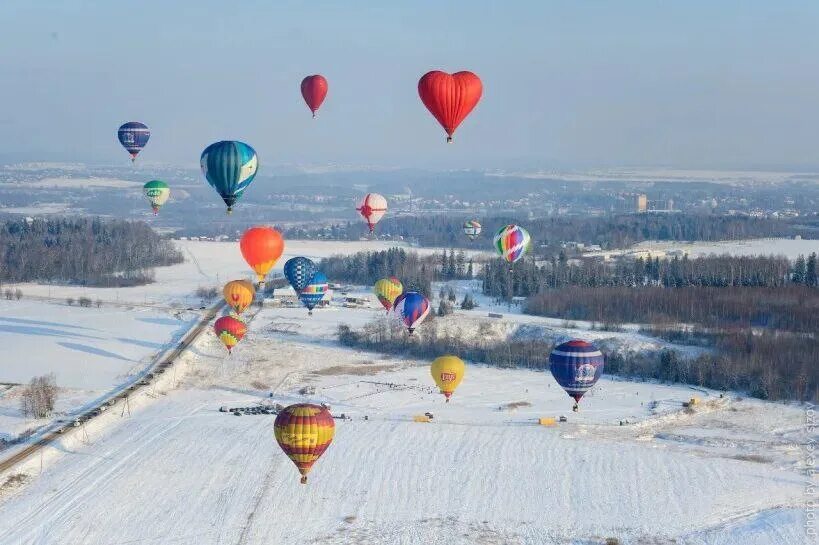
(210, 263)
(787, 247)
(179, 471)
(90, 350)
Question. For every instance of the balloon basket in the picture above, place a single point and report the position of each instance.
(303, 479)
(448, 139)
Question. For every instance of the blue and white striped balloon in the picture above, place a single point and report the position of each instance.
(229, 167)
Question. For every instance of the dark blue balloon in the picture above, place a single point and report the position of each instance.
(299, 271)
(576, 366)
(133, 136)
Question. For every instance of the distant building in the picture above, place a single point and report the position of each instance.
(641, 202)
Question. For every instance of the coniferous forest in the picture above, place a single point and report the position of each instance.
(92, 252)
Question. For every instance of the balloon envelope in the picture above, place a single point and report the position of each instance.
(304, 431)
(314, 291)
(447, 372)
(372, 208)
(412, 308)
(299, 271)
(261, 247)
(450, 97)
(230, 331)
(239, 294)
(387, 290)
(229, 166)
(314, 90)
(157, 193)
(133, 136)
(576, 365)
(512, 242)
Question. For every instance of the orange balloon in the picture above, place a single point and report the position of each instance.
(261, 247)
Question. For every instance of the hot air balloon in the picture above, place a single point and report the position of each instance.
(304, 431)
(229, 167)
(472, 229)
(133, 136)
(576, 366)
(314, 90)
(372, 208)
(511, 242)
(261, 247)
(299, 271)
(450, 97)
(447, 372)
(230, 331)
(157, 192)
(411, 307)
(387, 290)
(314, 291)
(239, 294)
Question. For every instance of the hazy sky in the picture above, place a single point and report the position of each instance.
(566, 83)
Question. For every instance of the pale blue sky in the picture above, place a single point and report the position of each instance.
(566, 83)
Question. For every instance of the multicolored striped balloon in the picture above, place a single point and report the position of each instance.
(299, 271)
(230, 331)
(304, 431)
(512, 242)
(133, 136)
(387, 290)
(412, 308)
(314, 291)
(472, 229)
(229, 166)
(576, 366)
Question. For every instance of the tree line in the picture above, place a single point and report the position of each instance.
(790, 308)
(769, 365)
(93, 252)
(527, 278)
(616, 231)
(416, 272)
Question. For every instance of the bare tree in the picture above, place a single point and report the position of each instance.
(18, 294)
(39, 396)
(70, 301)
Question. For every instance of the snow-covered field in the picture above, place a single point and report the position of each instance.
(788, 247)
(179, 471)
(209, 263)
(90, 350)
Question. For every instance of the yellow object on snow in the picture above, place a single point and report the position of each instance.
(547, 422)
(421, 418)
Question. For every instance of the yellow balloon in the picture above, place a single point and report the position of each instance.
(387, 290)
(239, 294)
(447, 372)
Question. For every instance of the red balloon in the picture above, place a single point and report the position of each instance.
(314, 90)
(450, 97)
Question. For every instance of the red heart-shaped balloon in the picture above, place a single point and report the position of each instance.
(450, 97)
